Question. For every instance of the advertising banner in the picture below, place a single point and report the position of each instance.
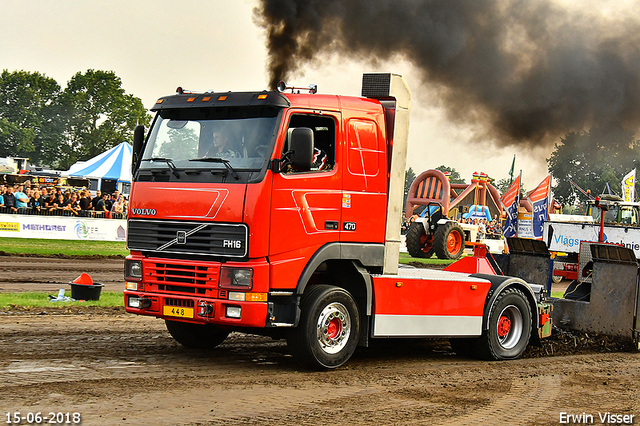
(566, 237)
(629, 186)
(540, 201)
(511, 202)
(62, 228)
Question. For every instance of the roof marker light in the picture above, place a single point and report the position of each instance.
(222, 98)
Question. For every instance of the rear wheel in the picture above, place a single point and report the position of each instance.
(419, 244)
(329, 328)
(196, 336)
(448, 241)
(509, 327)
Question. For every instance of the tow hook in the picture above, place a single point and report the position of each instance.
(205, 308)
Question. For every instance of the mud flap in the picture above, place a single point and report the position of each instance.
(529, 260)
(545, 324)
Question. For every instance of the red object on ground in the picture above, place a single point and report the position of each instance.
(84, 279)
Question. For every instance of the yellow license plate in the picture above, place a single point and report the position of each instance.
(177, 311)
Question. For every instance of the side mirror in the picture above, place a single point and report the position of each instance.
(138, 142)
(301, 147)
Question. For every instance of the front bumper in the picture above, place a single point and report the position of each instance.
(198, 310)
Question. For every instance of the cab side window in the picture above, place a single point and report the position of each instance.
(324, 137)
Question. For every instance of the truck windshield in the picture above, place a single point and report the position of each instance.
(195, 138)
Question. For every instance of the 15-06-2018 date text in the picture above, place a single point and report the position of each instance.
(50, 418)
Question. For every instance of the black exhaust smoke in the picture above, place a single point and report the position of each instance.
(527, 70)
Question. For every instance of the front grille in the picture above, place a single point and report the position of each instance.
(199, 238)
(181, 303)
(183, 278)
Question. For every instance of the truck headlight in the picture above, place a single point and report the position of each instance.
(132, 270)
(236, 278)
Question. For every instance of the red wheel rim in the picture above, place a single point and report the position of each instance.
(454, 242)
(504, 326)
(334, 328)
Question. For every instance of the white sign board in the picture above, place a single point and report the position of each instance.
(565, 236)
(62, 228)
(525, 225)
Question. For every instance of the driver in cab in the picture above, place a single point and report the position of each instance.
(221, 148)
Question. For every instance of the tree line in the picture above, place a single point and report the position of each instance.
(56, 127)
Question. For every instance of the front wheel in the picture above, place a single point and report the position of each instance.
(419, 244)
(448, 241)
(196, 336)
(329, 328)
(509, 329)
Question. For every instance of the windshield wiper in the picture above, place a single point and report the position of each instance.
(169, 162)
(219, 160)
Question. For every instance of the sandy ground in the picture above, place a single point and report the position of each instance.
(114, 368)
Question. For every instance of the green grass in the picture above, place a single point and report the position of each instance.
(33, 299)
(45, 247)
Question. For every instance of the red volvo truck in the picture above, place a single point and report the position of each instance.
(279, 213)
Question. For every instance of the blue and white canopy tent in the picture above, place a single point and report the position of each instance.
(109, 171)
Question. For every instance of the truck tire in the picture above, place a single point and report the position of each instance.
(196, 336)
(448, 241)
(509, 327)
(329, 328)
(419, 244)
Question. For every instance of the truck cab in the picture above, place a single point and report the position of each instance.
(279, 213)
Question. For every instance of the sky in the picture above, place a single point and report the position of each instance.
(156, 46)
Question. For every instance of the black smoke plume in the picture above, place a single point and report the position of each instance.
(527, 70)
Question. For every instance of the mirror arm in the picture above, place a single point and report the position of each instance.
(278, 165)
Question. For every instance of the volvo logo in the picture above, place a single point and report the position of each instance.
(144, 212)
(181, 237)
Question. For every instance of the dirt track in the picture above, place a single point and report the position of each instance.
(115, 368)
(49, 274)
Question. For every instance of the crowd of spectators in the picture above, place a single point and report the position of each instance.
(57, 201)
(491, 230)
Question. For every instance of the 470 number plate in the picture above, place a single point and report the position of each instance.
(177, 311)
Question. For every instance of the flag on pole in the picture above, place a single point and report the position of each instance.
(511, 202)
(629, 186)
(540, 201)
(512, 170)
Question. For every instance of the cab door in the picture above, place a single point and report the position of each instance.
(364, 196)
(306, 205)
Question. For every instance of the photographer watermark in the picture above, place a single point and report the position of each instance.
(605, 418)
